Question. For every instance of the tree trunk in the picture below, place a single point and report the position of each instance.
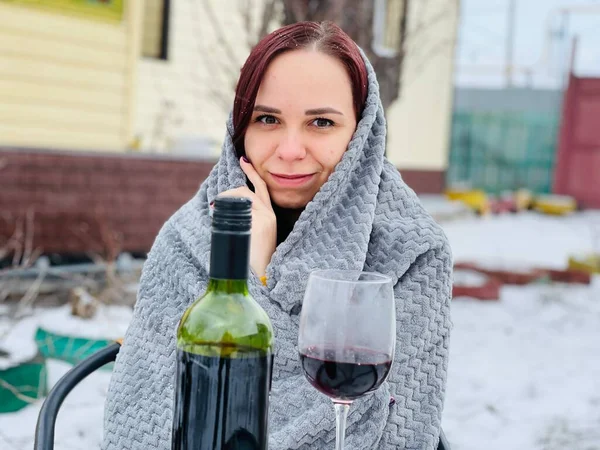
(355, 17)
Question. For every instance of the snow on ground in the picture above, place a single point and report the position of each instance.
(524, 372)
(79, 424)
(523, 240)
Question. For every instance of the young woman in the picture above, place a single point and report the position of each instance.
(306, 142)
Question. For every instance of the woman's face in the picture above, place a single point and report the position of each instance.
(302, 122)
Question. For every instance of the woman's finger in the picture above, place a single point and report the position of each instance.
(241, 192)
(261, 188)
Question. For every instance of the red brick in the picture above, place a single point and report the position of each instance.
(134, 196)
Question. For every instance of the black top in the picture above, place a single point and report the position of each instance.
(286, 219)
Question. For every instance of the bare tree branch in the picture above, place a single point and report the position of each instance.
(228, 68)
(246, 8)
(223, 69)
(20, 244)
(225, 65)
(426, 58)
(24, 254)
(28, 252)
(221, 38)
(356, 18)
(422, 27)
(18, 237)
(301, 10)
(30, 296)
(268, 15)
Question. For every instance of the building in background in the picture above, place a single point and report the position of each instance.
(108, 106)
(193, 52)
(159, 76)
(526, 102)
(184, 98)
(419, 122)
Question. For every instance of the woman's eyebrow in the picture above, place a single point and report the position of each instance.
(317, 111)
(266, 109)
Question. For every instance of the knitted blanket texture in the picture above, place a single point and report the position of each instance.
(363, 218)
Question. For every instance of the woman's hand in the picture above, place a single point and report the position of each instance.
(264, 223)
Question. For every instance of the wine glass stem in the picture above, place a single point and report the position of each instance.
(341, 412)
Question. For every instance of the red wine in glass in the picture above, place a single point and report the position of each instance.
(347, 374)
(347, 336)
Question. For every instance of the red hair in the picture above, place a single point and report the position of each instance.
(325, 37)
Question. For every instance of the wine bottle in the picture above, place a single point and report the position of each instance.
(224, 348)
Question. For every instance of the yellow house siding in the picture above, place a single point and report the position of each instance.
(66, 82)
(133, 14)
(419, 121)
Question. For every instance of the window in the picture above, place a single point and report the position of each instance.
(388, 18)
(155, 29)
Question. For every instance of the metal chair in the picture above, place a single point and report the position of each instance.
(44, 431)
(443, 444)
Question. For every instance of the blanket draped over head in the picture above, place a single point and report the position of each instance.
(363, 218)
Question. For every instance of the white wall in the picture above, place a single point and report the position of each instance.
(419, 122)
(190, 94)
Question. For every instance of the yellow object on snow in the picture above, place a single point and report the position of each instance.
(589, 264)
(475, 199)
(555, 204)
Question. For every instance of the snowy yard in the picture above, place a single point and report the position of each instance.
(524, 372)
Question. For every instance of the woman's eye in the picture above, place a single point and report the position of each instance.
(267, 120)
(323, 123)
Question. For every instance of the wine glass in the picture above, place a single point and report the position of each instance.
(347, 336)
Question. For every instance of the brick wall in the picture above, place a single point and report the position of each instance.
(97, 202)
(82, 202)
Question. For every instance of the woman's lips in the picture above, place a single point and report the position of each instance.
(292, 180)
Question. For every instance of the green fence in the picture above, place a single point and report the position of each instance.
(499, 152)
(66, 348)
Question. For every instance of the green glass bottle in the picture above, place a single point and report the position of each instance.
(224, 348)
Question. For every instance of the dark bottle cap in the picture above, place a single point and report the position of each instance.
(232, 214)
(230, 242)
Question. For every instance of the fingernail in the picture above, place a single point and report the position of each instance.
(392, 401)
(212, 204)
(245, 160)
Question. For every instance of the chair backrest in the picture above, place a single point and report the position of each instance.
(443, 444)
(44, 431)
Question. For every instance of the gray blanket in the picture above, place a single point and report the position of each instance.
(363, 218)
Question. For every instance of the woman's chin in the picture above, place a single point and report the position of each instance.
(290, 201)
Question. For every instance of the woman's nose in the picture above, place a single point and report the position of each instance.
(291, 147)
